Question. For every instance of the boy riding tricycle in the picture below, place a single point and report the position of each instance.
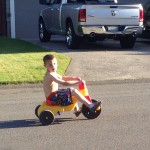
(46, 113)
(61, 100)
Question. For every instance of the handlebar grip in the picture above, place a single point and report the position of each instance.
(84, 91)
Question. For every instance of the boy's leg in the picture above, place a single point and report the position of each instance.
(83, 100)
(80, 97)
(77, 110)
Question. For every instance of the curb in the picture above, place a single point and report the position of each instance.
(117, 81)
(100, 82)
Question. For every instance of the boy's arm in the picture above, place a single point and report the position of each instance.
(68, 78)
(60, 80)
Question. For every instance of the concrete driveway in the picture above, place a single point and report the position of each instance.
(105, 61)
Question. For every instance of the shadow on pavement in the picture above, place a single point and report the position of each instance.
(19, 123)
(32, 123)
(61, 120)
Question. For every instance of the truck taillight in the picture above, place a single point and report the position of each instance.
(82, 15)
(141, 15)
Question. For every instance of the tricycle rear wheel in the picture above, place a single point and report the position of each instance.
(88, 114)
(46, 117)
(36, 110)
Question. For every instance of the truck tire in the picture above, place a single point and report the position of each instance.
(92, 40)
(72, 40)
(127, 41)
(44, 36)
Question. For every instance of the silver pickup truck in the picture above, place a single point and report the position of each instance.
(90, 19)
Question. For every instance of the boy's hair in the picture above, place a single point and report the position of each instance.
(48, 57)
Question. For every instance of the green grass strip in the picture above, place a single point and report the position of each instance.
(21, 62)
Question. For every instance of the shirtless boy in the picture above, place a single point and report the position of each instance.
(50, 85)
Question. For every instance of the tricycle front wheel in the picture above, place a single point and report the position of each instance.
(88, 114)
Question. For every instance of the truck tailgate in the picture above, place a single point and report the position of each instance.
(112, 14)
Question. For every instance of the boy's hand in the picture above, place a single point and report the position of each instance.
(83, 81)
(78, 79)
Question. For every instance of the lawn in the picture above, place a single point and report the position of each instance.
(21, 62)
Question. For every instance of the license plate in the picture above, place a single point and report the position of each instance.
(112, 28)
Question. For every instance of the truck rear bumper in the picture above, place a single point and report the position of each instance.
(120, 30)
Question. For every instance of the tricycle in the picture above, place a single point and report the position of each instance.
(46, 113)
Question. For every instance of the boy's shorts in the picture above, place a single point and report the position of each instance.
(61, 97)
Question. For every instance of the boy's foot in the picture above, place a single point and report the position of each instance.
(93, 108)
(77, 113)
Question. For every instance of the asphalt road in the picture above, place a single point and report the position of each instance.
(125, 118)
(122, 125)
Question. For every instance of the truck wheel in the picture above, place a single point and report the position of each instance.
(88, 114)
(91, 39)
(36, 110)
(72, 40)
(43, 34)
(127, 41)
(46, 117)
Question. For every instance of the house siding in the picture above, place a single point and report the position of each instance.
(8, 18)
(27, 14)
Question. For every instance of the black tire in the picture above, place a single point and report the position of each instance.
(72, 40)
(44, 36)
(127, 41)
(36, 110)
(92, 40)
(101, 38)
(88, 114)
(46, 117)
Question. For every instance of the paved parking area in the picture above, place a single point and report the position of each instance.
(105, 61)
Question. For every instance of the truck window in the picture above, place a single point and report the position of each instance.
(81, 1)
(71, 1)
(55, 1)
(96, 1)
